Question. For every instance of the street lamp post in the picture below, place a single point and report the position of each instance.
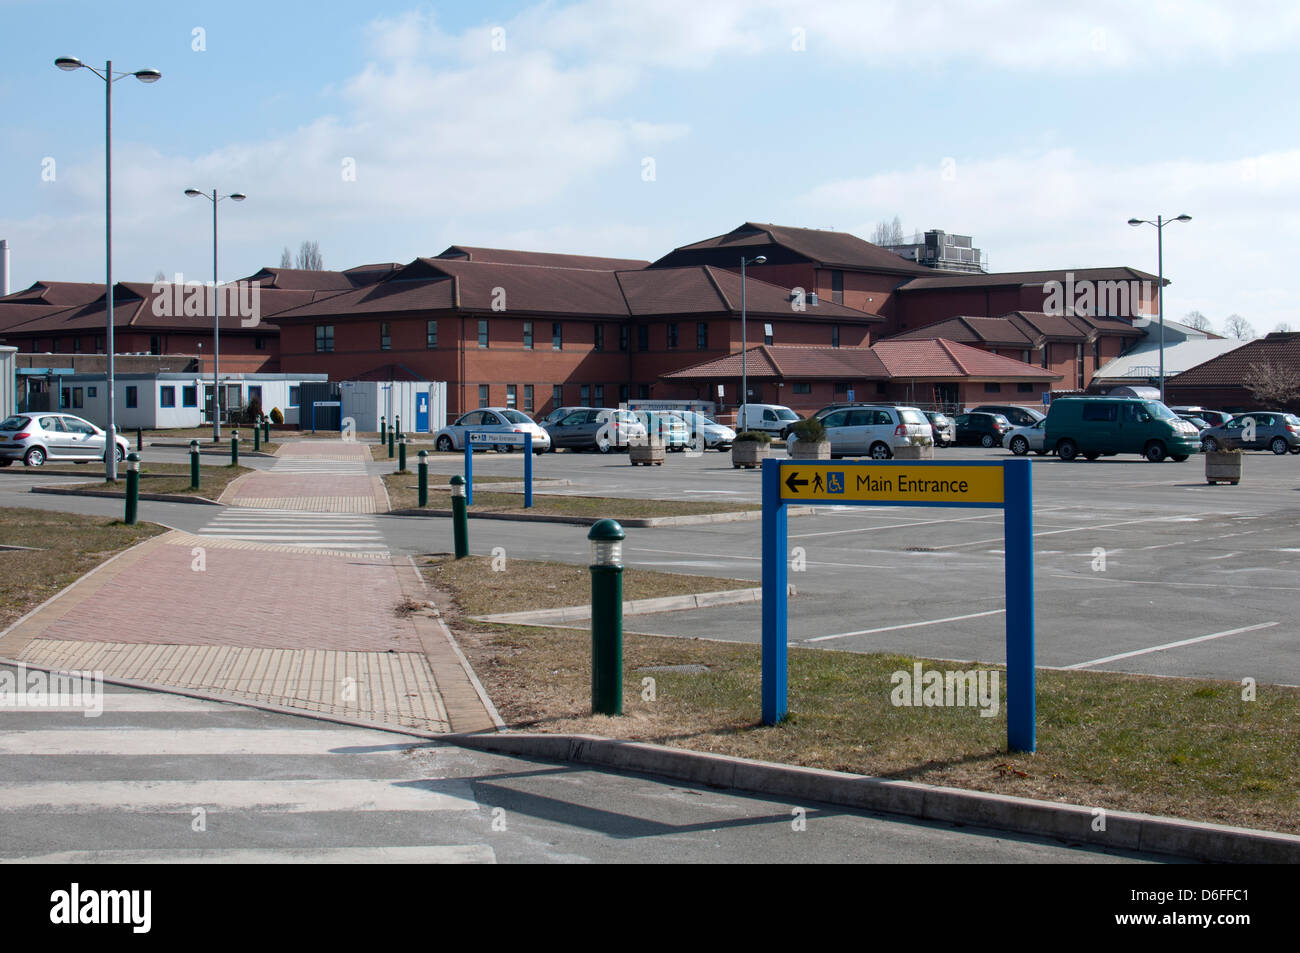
(214, 198)
(1160, 224)
(744, 339)
(71, 63)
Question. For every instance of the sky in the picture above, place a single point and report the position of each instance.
(389, 130)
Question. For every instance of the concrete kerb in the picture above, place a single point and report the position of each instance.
(649, 522)
(121, 495)
(1072, 823)
(698, 600)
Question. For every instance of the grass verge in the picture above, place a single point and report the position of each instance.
(403, 494)
(1178, 747)
(64, 547)
(169, 478)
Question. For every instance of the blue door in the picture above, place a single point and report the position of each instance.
(422, 412)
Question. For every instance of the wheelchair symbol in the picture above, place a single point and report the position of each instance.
(835, 482)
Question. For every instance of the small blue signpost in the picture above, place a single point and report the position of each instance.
(487, 438)
(1004, 485)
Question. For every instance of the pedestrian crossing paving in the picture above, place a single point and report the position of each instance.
(313, 465)
(337, 532)
(159, 778)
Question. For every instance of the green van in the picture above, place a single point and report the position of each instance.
(1105, 426)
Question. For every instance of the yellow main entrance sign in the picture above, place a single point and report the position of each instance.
(891, 483)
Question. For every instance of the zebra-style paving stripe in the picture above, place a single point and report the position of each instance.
(350, 532)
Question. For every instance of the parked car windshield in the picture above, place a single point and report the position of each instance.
(785, 413)
(14, 423)
(1159, 411)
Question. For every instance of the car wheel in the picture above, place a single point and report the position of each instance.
(1279, 446)
(880, 451)
(1067, 450)
(1178, 457)
(1155, 451)
(120, 455)
(1209, 445)
(34, 457)
(604, 446)
(445, 444)
(986, 441)
(1019, 446)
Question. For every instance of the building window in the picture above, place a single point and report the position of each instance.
(623, 337)
(622, 393)
(99, 344)
(92, 392)
(166, 396)
(483, 333)
(76, 398)
(643, 337)
(835, 335)
(881, 388)
(599, 394)
(65, 396)
(701, 335)
(255, 394)
(132, 397)
(557, 338)
(767, 334)
(189, 396)
(294, 393)
(837, 287)
(528, 335)
(528, 398)
(259, 343)
(484, 397)
(672, 335)
(1024, 388)
(1024, 356)
(431, 334)
(600, 338)
(642, 391)
(584, 395)
(991, 388)
(841, 387)
(512, 395)
(557, 396)
(385, 336)
(324, 338)
(803, 388)
(155, 344)
(1078, 367)
(76, 345)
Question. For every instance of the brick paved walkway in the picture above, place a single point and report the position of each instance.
(319, 629)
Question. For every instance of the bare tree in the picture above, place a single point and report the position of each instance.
(888, 233)
(1273, 385)
(309, 257)
(159, 276)
(1283, 328)
(1194, 319)
(1238, 327)
(286, 259)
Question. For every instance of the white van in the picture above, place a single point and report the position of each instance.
(771, 419)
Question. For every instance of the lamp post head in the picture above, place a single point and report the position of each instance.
(238, 196)
(761, 260)
(1135, 221)
(148, 75)
(68, 63)
(606, 538)
(194, 193)
(1183, 218)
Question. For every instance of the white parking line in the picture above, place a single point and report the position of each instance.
(1172, 645)
(869, 529)
(1077, 529)
(909, 625)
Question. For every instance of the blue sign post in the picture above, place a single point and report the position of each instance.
(1005, 485)
(487, 438)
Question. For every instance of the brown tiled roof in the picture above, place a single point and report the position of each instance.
(1228, 370)
(506, 256)
(702, 289)
(826, 248)
(789, 360)
(302, 279)
(1018, 278)
(940, 358)
(1020, 329)
(58, 293)
(391, 295)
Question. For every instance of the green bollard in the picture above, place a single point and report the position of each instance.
(132, 488)
(234, 448)
(257, 437)
(383, 432)
(139, 439)
(424, 478)
(194, 464)
(266, 429)
(401, 454)
(459, 516)
(606, 617)
(392, 437)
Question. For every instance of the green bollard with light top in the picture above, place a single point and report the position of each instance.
(424, 478)
(194, 464)
(459, 516)
(401, 454)
(392, 438)
(257, 437)
(383, 431)
(132, 488)
(234, 448)
(606, 538)
(266, 429)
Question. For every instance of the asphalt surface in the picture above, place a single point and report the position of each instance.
(162, 778)
(1129, 558)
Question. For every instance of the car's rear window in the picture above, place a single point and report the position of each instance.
(14, 423)
(515, 417)
(912, 417)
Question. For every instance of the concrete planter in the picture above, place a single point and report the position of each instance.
(801, 450)
(914, 453)
(645, 454)
(1223, 467)
(749, 453)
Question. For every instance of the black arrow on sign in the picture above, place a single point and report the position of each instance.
(791, 482)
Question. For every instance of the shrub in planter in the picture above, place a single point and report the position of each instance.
(277, 418)
(1224, 466)
(750, 448)
(753, 436)
(811, 430)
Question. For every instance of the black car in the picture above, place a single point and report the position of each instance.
(984, 430)
(1018, 416)
(943, 428)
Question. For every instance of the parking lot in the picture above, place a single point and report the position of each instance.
(1129, 557)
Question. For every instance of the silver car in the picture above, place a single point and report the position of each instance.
(1021, 440)
(706, 433)
(36, 438)
(492, 420)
